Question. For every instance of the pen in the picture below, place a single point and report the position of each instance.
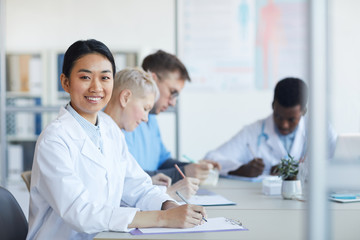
(179, 170)
(189, 159)
(251, 151)
(185, 201)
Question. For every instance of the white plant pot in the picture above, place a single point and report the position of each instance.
(291, 189)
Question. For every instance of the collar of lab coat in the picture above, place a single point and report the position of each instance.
(77, 133)
(274, 141)
(297, 149)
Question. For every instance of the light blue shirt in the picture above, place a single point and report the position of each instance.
(287, 140)
(93, 131)
(146, 145)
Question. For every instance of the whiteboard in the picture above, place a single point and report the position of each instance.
(238, 45)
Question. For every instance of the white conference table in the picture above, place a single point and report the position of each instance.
(266, 217)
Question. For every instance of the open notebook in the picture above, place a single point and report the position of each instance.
(207, 198)
(212, 225)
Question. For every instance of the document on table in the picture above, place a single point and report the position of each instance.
(212, 225)
(345, 197)
(205, 198)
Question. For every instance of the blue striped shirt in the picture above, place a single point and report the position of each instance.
(93, 131)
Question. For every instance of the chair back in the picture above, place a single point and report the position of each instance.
(26, 176)
(13, 224)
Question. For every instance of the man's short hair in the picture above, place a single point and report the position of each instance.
(163, 63)
(290, 92)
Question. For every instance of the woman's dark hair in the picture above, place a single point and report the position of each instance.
(81, 48)
(290, 92)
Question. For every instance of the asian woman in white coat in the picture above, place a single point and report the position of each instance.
(258, 148)
(82, 169)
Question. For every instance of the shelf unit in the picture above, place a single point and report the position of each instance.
(33, 107)
(25, 81)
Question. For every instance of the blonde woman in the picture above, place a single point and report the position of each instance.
(133, 97)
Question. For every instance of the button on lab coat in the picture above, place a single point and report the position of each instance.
(76, 190)
(265, 143)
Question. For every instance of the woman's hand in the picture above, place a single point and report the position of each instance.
(161, 179)
(215, 164)
(185, 216)
(187, 187)
(198, 170)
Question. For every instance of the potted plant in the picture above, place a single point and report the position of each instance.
(288, 170)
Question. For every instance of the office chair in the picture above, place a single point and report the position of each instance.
(13, 224)
(26, 176)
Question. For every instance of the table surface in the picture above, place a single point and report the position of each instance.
(266, 217)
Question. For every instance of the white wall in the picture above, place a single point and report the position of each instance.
(135, 24)
(206, 119)
(345, 92)
(209, 119)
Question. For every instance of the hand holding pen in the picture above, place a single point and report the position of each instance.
(256, 166)
(204, 161)
(253, 168)
(188, 186)
(185, 201)
(184, 216)
(200, 169)
(180, 195)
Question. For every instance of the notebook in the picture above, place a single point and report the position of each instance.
(207, 198)
(212, 225)
(345, 197)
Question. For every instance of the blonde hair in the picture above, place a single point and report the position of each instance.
(139, 82)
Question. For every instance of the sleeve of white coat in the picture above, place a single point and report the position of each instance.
(66, 194)
(232, 154)
(139, 191)
(332, 137)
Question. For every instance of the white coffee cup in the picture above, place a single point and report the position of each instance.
(212, 179)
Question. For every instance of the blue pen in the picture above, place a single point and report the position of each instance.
(189, 159)
(185, 201)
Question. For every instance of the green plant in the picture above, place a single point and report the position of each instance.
(288, 168)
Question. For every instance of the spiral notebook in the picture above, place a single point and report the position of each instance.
(212, 225)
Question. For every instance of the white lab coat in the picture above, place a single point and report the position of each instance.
(76, 190)
(234, 153)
